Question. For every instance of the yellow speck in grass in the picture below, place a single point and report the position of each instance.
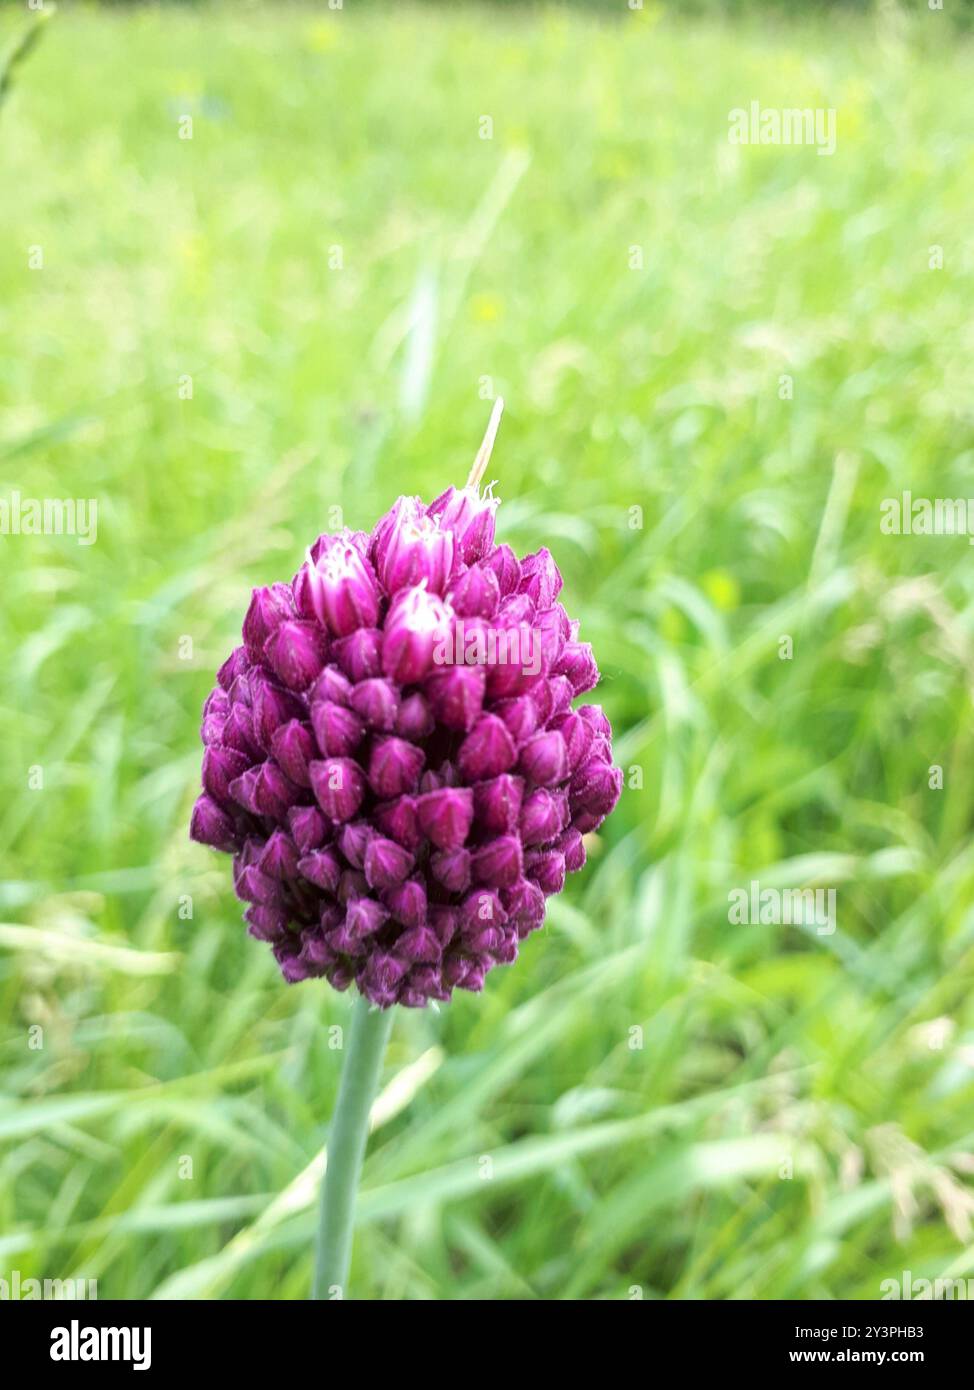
(189, 85)
(647, 17)
(616, 164)
(322, 36)
(555, 24)
(851, 103)
(486, 308)
(722, 588)
(192, 249)
(672, 625)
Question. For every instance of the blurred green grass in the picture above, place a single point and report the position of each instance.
(792, 1123)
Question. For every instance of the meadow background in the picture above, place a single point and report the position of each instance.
(798, 1121)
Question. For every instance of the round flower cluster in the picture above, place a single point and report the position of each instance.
(393, 759)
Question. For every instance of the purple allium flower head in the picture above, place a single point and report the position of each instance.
(394, 759)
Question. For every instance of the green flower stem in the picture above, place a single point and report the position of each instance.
(347, 1137)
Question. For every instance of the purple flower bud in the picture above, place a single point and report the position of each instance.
(407, 902)
(482, 907)
(296, 652)
(540, 578)
(417, 622)
(476, 594)
(415, 719)
(427, 982)
(266, 923)
(497, 803)
(376, 702)
(470, 517)
(308, 827)
(499, 862)
(596, 787)
(316, 954)
(216, 707)
(561, 695)
(293, 747)
(322, 867)
(471, 642)
(351, 884)
(506, 952)
(520, 715)
(547, 868)
(364, 917)
(332, 915)
(516, 608)
(271, 707)
(394, 766)
(338, 730)
(451, 869)
(353, 841)
(444, 776)
(398, 820)
(553, 625)
(594, 715)
(210, 825)
(419, 944)
(445, 922)
(211, 730)
(250, 852)
(360, 655)
(386, 863)
(342, 588)
(340, 976)
(274, 794)
(542, 697)
(381, 975)
(221, 766)
(236, 664)
(415, 548)
(487, 750)
(332, 686)
(543, 816)
(578, 664)
(520, 664)
(506, 567)
(344, 941)
(544, 759)
(359, 539)
(268, 608)
(301, 595)
(240, 692)
(383, 529)
(473, 978)
(572, 846)
(446, 815)
(279, 858)
(525, 905)
(293, 968)
(587, 821)
(456, 695)
(238, 732)
(243, 789)
(339, 787)
(252, 886)
(482, 940)
(458, 968)
(578, 734)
